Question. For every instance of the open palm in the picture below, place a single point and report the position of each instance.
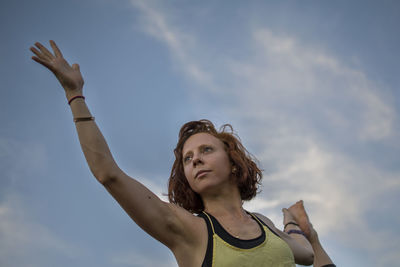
(69, 76)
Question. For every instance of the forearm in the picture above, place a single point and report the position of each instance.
(92, 141)
(300, 246)
(321, 258)
(94, 146)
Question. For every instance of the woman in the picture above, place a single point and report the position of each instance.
(212, 176)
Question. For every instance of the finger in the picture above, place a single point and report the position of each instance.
(43, 62)
(57, 51)
(44, 50)
(36, 52)
(76, 66)
(286, 212)
(40, 58)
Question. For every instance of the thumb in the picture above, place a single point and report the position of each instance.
(286, 213)
(75, 66)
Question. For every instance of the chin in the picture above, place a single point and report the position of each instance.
(208, 187)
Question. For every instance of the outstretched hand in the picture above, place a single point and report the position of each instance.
(69, 76)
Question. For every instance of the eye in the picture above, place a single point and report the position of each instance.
(187, 158)
(207, 149)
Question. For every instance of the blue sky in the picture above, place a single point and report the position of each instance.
(311, 87)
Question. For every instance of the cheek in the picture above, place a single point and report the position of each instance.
(189, 178)
(187, 172)
(227, 163)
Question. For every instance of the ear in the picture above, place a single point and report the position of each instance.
(234, 169)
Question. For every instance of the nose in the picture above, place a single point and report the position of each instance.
(197, 160)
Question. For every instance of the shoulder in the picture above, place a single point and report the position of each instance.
(301, 254)
(265, 220)
(270, 225)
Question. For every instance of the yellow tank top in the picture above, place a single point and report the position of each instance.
(224, 250)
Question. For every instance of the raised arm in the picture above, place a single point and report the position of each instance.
(164, 221)
(96, 151)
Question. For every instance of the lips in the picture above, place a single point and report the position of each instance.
(199, 173)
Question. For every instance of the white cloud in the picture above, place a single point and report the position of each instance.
(25, 242)
(153, 186)
(156, 24)
(289, 80)
(133, 258)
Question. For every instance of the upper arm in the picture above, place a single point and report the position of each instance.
(302, 251)
(166, 222)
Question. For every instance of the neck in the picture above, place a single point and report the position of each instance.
(225, 204)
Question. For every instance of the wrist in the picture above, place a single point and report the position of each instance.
(314, 240)
(290, 224)
(75, 98)
(296, 231)
(71, 93)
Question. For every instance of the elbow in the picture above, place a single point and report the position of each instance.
(105, 177)
(310, 258)
(105, 171)
(307, 258)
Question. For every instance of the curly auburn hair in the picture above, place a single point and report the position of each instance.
(248, 175)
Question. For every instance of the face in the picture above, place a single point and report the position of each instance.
(206, 163)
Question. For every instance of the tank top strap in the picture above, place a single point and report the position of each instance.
(255, 218)
(208, 258)
(208, 220)
(263, 223)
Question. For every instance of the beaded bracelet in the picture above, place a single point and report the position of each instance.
(296, 232)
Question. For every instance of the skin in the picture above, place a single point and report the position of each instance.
(181, 231)
(298, 213)
(216, 186)
(204, 155)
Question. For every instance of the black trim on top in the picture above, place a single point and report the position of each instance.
(239, 243)
(207, 262)
(222, 233)
(266, 225)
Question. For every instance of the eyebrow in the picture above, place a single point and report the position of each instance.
(200, 146)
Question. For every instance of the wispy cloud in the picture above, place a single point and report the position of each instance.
(160, 191)
(134, 259)
(156, 24)
(18, 161)
(25, 242)
(303, 110)
(287, 77)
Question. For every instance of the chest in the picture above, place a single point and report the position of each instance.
(258, 246)
(248, 229)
